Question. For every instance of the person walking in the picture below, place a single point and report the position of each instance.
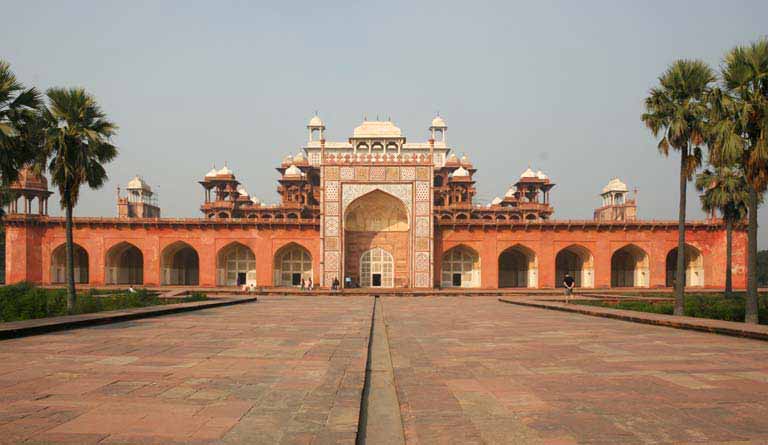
(303, 284)
(568, 283)
(309, 284)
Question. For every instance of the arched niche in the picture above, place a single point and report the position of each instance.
(124, 264)
(578, 262)
(518, 267)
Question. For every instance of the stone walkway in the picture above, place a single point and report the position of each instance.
(471, 371)
(466, 370)
(287, 370)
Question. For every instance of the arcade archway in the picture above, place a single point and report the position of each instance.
(292, 263)
(59, 264)
(577, 261)
(460, 268)
(518, 267)
(180, 265)
(124, 264)
(629, 267)
(694, 267)
(235, 266)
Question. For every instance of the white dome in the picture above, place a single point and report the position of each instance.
(288, 159)
(511, 192)
(299, 157)
(241, 189)
(540, 174)
(465, 159)
(293, 171)
(438, 122)
(138, 184)
(615, 185)
(315, 121)
(496, 201)
(528, 173)
(224, 171)
(255, 200)
(212, 173)
(461, 171)
(452, 158)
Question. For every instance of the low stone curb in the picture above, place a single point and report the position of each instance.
(734, 329)
(16, 329)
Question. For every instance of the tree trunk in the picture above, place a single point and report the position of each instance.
(750, 315)
(680, 272)
(728, 257)
(70, 254)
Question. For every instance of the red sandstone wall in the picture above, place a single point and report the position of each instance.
(602, 244)
(29, 249)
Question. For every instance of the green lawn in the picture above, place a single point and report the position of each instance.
(24, 301)
(702, 305)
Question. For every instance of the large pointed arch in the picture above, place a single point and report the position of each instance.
(124, 264)
(694, 267)
(577, 261)
(460, 267)
(292, 263)
(59, 264)
(235, 265)
(630, 267)
(376, 211)
(180, 265)
(518, 267)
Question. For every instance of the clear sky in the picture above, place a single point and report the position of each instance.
(554, 85)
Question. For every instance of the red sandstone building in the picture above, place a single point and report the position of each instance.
(376, 210)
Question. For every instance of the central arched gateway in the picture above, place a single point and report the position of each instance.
(577, 261)
(180, 265)
(124, 264)
(377, 241)
(377, 268)
(518, 267)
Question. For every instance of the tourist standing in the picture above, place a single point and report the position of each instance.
(309, 284)
(303, 284)
(568, 282)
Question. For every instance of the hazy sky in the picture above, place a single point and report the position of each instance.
(554, 85)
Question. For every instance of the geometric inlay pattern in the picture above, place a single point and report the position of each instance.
(422, 191)
(332, 208)
(422, 226)
(408, 173)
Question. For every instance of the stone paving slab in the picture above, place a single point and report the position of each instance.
(736, 329)
(479, 371)
(15, 329)
(280, 371)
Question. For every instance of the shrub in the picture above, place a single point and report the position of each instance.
(714, 306)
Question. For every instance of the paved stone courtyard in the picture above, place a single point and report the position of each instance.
(466, 370)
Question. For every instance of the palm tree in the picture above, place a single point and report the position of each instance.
(725, 190)
(739, 135)
(18, 114)
(77, 144)
(676, 109)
